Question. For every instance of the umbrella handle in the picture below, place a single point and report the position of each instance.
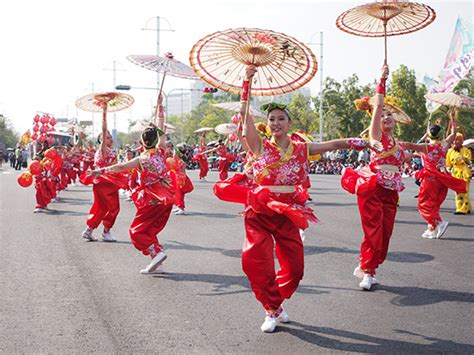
(246, 90)
(385, 41)
(162, 82)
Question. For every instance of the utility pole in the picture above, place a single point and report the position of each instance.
(158, 29)
(321, 93)
(114, 129)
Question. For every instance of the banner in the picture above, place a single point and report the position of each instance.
(458, 60)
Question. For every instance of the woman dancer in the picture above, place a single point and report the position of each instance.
(152, 195)
(277, 210)
(458, 160)
(435, 181)
(181, 182)
(106, 205)
(377, 188)
(201, 158)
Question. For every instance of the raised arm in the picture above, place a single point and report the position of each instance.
(203, 140)
(250, 134)
(375, 131)
(117, 168)
(160, 121)
(241, 138)
(452, 125)
(347, 143)
(103, 143)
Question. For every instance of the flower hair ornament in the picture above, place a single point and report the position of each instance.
(269, 107)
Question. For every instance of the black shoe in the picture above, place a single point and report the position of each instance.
(460, 213)
(416, 196)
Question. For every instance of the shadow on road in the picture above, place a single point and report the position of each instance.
(65, 213)
(213, 215)
(342, 340)
(222, 284)
(418, 296)
(398, 257)
(451, 224)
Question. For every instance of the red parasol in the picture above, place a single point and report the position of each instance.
(386, 18)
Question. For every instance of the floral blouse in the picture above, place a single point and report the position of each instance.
(392, 154)
(153, 168)
(109, 159)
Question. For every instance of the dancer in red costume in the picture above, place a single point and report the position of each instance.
(152, 195)
(180, 181)
(377, 188)
(276, 208)
(106, 205)
(435, 180)
(201, 158)
(225, 158)
(43, 193)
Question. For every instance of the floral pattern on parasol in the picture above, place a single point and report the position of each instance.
(284, 64)
(451, 99)
(111, 101)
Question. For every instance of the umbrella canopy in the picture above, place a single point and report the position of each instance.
(284, 64)
(385, 18)
(212, 144)
(234, 106)
(169, 128)
(204, 129)
(164, 64)
(450, 99)
(113, 101)
(226, 128)
(469, 143)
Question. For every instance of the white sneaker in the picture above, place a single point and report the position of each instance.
(429, 234)
(180, 211)
(159, 270)
(441, 229)
(87, 234)
(107, 237)
(156, 261)
(269, 324)
(283, 316)
(176, 209)
(367, 282)
(39, 210)
(358, 272)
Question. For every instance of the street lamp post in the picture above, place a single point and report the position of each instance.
(321, 93)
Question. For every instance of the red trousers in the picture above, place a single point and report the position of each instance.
(272, 288)
(148, 222)
(71, 175)
(106, 206)
(179, 198)
(203, 168)
(223, 168)
(430, 198)
(63, 180)
(51, 186)
(87, 165)
(42, 193)
(377, 212)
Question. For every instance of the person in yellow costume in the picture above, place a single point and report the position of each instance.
(458, 160)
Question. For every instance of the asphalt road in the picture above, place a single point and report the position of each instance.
(60, 294)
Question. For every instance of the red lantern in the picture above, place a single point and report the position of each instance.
(50, 140)
(35, 167)
(53, 121)
(36, 128)
(42, 138)
(34, 136)
(25, 179)
(36, 119)
(51, 153)
(42, 129)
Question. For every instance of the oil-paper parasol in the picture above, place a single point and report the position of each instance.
(234, 106)
(226, 128)
(203, 129)
(386, 18)
(104, 101)
(452, 100)
(167, 65)
(284, 64)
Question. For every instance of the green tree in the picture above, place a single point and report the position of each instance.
(466, 118)
(411, 96)
(302, 115)
(8, 135)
